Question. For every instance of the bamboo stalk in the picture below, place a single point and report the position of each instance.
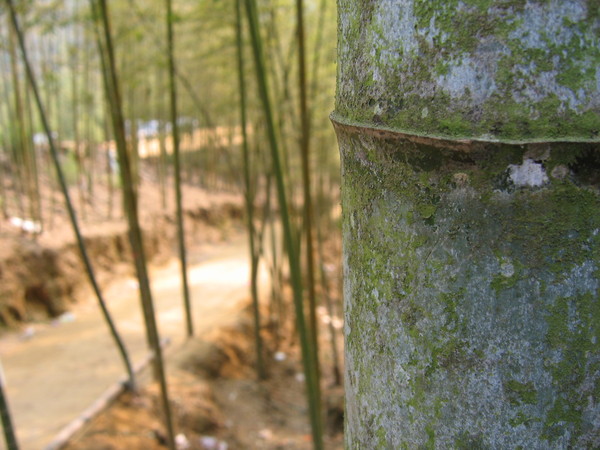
(4, 174)
(306, 183)
(162, 157)
(74, 60)
(177, 169)
(33, 186)
(248, 194)
(115, 114)
(130, 202)
(296, 276)
(90, 152)
(337, 373)
(19, 141)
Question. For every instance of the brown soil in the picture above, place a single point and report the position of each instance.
(216, 399)
(42, 276)
(217, 402)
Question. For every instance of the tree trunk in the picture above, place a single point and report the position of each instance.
(470, 164)
(249, 194)
(100, 12)
(310, 371)
(187, 303)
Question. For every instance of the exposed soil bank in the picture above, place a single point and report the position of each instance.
(40, 278)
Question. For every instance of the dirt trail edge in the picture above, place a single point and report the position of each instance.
(55, 371)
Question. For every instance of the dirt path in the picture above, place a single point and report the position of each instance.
(63, 367)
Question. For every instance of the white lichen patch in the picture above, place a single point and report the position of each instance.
(530, 173)
(474, 77)
(394, 24)
(543, 23)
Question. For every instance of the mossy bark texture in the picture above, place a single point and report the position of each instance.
(471, 254)
(510, 69)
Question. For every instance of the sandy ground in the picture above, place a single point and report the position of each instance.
(56, 367)
(55, 370)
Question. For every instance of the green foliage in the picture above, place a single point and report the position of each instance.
(520, 393)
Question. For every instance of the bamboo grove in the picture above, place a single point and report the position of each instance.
(86, 87)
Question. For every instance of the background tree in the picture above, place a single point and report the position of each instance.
(249, 194)
(306, 343)
(470, 155)
(177, 171)
(100, 12)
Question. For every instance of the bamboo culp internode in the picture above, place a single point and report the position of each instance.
(470, 195)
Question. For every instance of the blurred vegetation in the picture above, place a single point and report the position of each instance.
(212, 62)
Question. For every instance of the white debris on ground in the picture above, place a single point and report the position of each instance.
(212, 443)
(66, 317)
(279, 356)
(182, 442)
(26, 225)
(27, 333)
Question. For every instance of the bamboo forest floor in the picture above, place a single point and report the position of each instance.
(217, 401)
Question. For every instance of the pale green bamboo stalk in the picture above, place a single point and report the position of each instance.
(4, 126)
(124, 166)
(74, 60)
(162, 157)
(337, 373)
(33, 185)
(135, 233)
(91, 149)
(177, 169)
(248, 194)
(314, 82)
(306, 184)
(68, 203)
(296, 276)
(20, 140)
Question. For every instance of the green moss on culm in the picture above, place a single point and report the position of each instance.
(554, 227)
(520, 393)
(415, 229)
(574, 330)
(446, 35)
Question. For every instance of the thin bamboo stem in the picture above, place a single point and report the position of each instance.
(177, 169)
(337, 373)
(306, 184)
(296, 276)
(248, 194)
(115, 114)
(20, 140)
(130, 203)
(74, 50)
(33, 185)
